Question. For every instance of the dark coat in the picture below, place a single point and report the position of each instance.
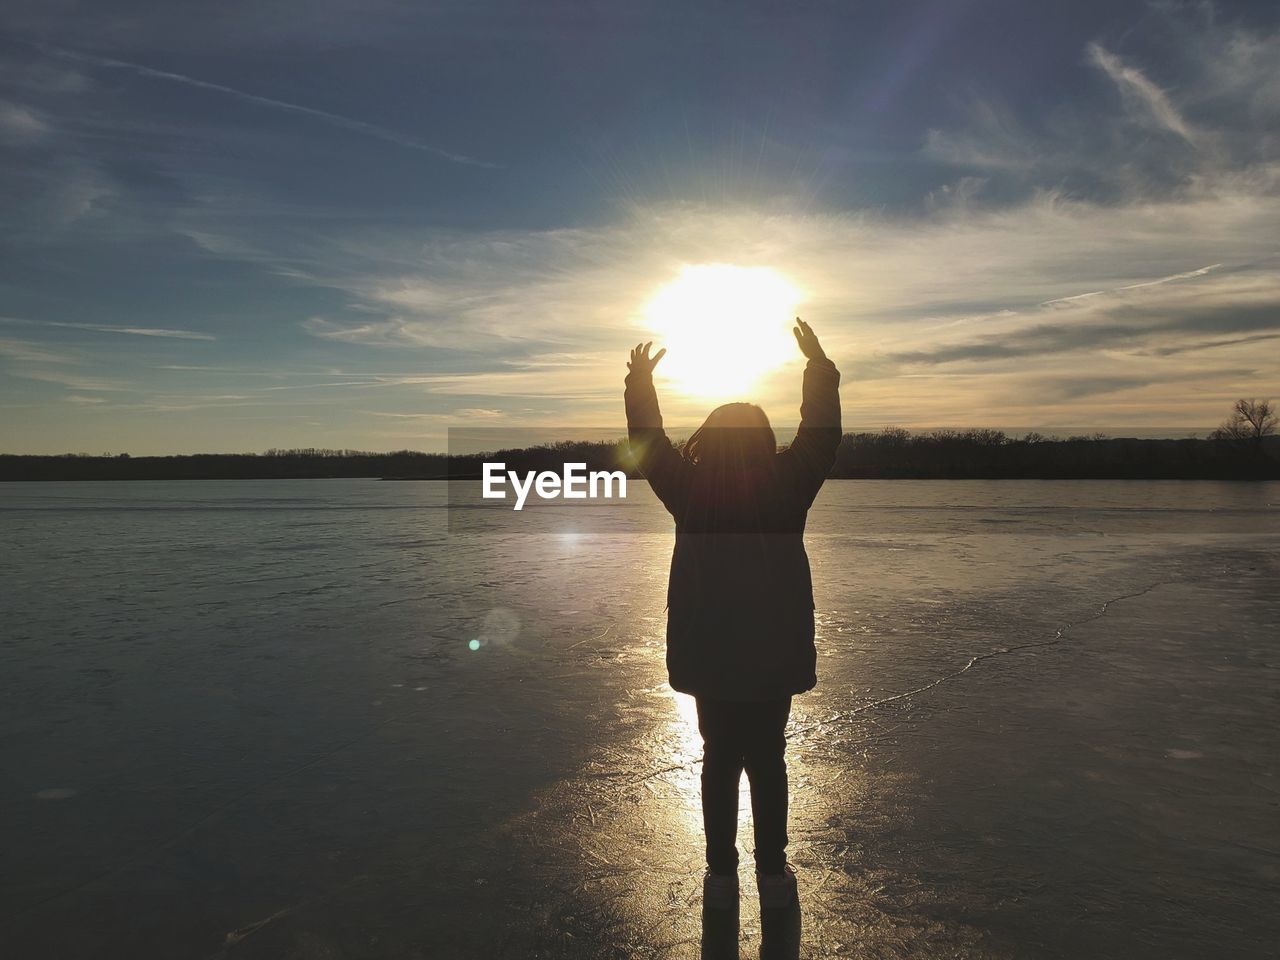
(740, 599)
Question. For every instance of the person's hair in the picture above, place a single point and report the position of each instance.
(736, 436)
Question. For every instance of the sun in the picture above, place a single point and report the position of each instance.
(724, 328)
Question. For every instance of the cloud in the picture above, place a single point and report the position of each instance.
(454, 416)
(71, 380)
(1078, 269)
(1073, 387)
(478, 413)
(1201, 345)
(1215, 123)
(106, 328)
(36, 76)
(1141, 317)
(992, 139)
(53, 189)
(391, 331)
(20, 124)
(1146, 100)
(521, 383)
(27, 351)
(982, 299)
(324, 116)
(78, 191)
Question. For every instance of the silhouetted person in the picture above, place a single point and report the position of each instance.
(740, 603)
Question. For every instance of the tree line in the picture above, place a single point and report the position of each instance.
(892, 453)
(1244, 447)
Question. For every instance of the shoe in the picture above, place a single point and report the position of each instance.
(779, 915)
(719, 916)
(720, 891)
(777, 890)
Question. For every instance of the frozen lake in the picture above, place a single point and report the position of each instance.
(246, 719)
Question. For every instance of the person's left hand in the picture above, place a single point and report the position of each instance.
(808, 341)
(641, 362)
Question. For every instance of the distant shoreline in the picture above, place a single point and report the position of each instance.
(890, 455)
(831, 479)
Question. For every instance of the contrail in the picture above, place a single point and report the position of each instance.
(333, 119)
(1189, 275)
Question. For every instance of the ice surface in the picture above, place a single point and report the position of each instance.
(275, 719)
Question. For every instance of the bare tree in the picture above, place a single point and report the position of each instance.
(1250, 420)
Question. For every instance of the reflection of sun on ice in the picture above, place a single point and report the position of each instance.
(687, 725)
(688, 750)
(724, 328)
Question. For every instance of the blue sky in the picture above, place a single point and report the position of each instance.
(238, 226)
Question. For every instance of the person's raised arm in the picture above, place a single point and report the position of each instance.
(813, 452)
(668, 473)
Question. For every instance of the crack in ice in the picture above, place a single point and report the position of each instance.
(1058, 636)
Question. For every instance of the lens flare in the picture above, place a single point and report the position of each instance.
(724, 328)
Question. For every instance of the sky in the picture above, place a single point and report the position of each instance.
(247, 225)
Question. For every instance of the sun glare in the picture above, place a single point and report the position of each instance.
(724, 328)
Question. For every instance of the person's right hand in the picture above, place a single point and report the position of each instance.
(808, 341)
(641, 362)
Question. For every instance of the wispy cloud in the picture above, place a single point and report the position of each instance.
(73, 381)
(1214, 123)
(106, 328)
(324, 116)
(1197, 346)
(27, 351)
(460, 414)
(1147, 100)
(381, 331)
(20, 124)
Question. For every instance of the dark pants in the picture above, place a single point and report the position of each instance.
(749, 736)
